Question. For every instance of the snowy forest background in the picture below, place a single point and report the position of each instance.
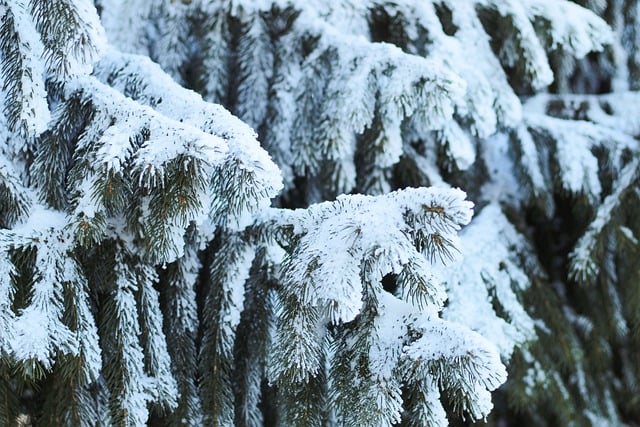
(359, 213)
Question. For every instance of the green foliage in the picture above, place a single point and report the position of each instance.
(153, 269)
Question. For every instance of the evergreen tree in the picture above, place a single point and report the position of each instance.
(246, 212)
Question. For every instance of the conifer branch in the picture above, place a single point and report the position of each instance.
(26, 105)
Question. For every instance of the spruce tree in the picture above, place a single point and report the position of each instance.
(292, 213)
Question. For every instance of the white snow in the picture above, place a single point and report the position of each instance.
(39, 331)
(359, 237)
(7, 291)
(446, 352)
(490, 270)
(573, 144)
(574, 28)
(460, 147)
(121, 20)
(583, 266)
(34, 113)
(237, 275)
(164, 388)
(88, 33)
(210, 133)
(129, 354)
(502, 184)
